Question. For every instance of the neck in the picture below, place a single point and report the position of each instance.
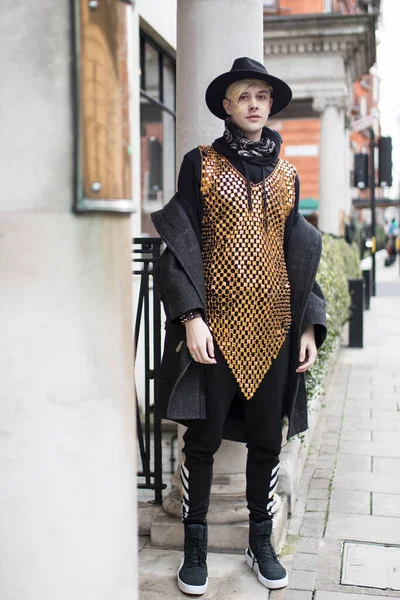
(255, 136)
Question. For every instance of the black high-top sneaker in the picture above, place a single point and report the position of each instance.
(192, 574)
(261, 557)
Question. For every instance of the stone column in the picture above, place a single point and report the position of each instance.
(347, 168)
(333, 178)
(67, 418)
(210, 36)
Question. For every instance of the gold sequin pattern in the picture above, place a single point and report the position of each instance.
(247, 287)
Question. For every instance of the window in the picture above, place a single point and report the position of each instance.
(157, 129)
(271, 4)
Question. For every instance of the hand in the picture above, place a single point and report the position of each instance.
(308, 350)
(199, 341)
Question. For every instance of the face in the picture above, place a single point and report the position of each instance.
(250, 113)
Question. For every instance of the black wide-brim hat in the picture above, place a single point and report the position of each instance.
(246, 68)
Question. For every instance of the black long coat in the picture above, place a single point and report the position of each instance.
(180, 282)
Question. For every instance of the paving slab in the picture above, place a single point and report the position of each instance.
(385, 465)
(376, 413)
(390, 438)
(387, 505)
(386, 395)
(312, 529)
(317, 505)
(356, 435)
(297, 595)
(370, 448)
(364, 528)
(356, 411)
(346, 501)
(305, 562)
(302, 580)
(321, 483)
(353, 462)
(360, 393)
(325, 473)
(368, 482)
(319, 493)
(308, 545)
(376, 424)
(383, 403)
(324, 595)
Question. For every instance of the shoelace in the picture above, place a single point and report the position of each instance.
(196, 557)
(263, 551)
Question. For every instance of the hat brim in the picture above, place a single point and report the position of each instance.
(215, 93)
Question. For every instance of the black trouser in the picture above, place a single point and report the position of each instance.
(262, 416)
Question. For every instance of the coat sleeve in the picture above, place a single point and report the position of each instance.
(315, 314)
(174, 287)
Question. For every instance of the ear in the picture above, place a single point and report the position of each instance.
(227, 106)
(271, 103)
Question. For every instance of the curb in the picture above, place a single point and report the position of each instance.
(294, 453)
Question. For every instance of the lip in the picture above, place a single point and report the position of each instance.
(254, 118)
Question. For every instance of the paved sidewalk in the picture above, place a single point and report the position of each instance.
(350, 490)
(348, 514)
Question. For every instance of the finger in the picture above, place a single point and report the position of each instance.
(194, 353)
(210, 347)
(205, 359)
(302, 355)
(307, 365)
(304, 367)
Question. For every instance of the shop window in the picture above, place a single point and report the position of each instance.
(157, 123)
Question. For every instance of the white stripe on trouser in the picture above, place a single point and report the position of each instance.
(184, 489)
(272, 488)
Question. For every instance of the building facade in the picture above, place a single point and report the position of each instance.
(360, 111)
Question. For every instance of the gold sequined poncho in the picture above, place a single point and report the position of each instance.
(247, 287)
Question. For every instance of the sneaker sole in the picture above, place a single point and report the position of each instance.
(194, 590)
(271, 584)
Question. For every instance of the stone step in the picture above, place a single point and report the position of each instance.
(229, 577)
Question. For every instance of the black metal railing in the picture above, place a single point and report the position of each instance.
(146, 251)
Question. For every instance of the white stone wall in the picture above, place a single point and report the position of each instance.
(161, 17)
(67, 419)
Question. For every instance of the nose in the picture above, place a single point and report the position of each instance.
(252, 103)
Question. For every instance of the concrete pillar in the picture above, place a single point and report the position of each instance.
(67, 419)
(347, 169)
(210, 36)
(333, 177)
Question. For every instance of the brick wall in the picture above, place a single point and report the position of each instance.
(298, 133)
(301, 6)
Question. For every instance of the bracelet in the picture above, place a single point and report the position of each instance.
(189, 316)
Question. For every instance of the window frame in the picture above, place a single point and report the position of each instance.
(163, 56)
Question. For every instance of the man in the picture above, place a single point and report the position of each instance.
(244, 314)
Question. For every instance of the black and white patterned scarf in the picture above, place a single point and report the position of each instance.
(245, 147)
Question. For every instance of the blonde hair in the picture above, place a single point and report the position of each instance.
(237, 88)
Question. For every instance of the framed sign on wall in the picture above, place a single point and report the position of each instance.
(103, 151)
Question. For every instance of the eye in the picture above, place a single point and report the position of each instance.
(243, 97)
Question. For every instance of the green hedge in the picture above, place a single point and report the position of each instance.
(339, 262)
